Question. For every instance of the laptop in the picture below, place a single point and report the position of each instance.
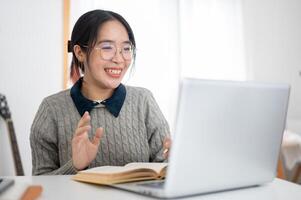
(227, 135)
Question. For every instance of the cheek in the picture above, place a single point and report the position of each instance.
(97, 65)
(94, 61)
(127, 65)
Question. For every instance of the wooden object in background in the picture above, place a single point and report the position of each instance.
(66, 19)
(280, 173)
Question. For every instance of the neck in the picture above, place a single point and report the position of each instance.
(95, 92)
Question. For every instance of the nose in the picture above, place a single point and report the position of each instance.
(118, 57)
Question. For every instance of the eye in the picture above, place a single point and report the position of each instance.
(127, 48)
(107, 47)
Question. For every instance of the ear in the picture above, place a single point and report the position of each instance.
(79, 53)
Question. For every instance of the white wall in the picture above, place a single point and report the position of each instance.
(211, 39)
(273, 47)
(30, 67)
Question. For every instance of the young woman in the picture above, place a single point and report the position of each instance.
(99, 121)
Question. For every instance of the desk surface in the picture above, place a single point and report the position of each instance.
(62, 187)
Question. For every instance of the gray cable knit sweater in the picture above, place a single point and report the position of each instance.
(136, 135)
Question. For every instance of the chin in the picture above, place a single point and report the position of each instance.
(112, 84)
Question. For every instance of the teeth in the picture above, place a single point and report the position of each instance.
(114, 71)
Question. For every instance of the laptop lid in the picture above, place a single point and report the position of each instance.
(228, 135)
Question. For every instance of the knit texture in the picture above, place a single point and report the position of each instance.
(136, 135)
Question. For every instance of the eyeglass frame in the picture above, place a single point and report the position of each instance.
(120, 51)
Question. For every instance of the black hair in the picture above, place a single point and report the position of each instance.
(85, 32)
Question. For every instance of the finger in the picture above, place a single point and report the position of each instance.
(79, 139)
(166, 146)
(97, 136)
(165, 153)
(79, 131)
(85, 120)
(167, 143)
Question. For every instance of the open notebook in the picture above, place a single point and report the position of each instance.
(107, 175)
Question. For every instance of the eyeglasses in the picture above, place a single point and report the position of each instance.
(108, 50)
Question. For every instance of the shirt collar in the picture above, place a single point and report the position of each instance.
(112, 104)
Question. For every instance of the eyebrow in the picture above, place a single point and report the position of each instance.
(101, 41)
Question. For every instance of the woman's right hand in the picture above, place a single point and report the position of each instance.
(83, 150)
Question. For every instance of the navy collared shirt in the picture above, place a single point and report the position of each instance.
(113, 104)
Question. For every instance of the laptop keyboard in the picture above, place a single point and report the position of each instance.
(159, 184)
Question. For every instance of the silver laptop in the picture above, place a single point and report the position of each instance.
(227, 135)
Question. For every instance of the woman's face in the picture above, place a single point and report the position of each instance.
(102, 69)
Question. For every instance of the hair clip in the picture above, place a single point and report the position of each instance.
(69, 46)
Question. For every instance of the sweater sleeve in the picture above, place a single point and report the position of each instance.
(44, 144)
(157, 128)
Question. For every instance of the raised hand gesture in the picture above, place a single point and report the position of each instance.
(83, 150)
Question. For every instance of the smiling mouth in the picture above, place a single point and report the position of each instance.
(114, 72)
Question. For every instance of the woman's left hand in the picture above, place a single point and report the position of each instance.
(166, 147)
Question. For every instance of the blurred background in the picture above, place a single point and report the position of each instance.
(232, 40)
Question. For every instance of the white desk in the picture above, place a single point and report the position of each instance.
(62, 187)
